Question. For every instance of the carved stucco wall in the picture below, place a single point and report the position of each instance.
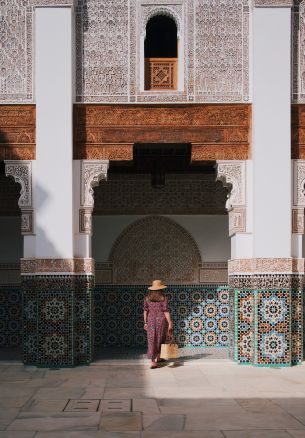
(216, 45)
(216, 49)
(155, 247)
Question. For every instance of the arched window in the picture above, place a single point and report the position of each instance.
(161, 54)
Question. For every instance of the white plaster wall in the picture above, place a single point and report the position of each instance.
(271, 132)
(209, 232)
(11, 242)
(52, 184)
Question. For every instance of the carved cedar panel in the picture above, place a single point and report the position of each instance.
(109, 131)
(155, 247)
(17, 132)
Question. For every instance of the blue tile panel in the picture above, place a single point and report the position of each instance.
(200, 315)
(10, 316)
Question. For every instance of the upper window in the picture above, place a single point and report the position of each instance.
(161, 54)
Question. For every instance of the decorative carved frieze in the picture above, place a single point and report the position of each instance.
(265, 266)
(92, 172)
(109, 131)
(233, 176)
(21, 172)
(56, 266)
(275, 3)
(52, 2)
(17, 132)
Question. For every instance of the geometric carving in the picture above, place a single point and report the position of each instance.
(92, 172)
(21, 171)
(233, 176)
(216, 131)
(155, 247)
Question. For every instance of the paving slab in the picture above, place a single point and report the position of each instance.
(128, 393)
(182, 434)
(121, 421)
(145, 405)
(228, 421)
(163, 422)
(87, 434)
(60, 393)
(257, 434)
(40, 421)
(296, 433)
(45, 405)
(17, 434)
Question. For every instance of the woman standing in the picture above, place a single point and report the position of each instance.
(156, 314)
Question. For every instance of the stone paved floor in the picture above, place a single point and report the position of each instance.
(187, 399)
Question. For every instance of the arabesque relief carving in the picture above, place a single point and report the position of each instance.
(17, 132)
(110, 131)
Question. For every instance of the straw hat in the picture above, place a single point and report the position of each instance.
(157, 285)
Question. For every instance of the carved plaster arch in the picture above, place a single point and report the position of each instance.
(167, 11)
(92, 172)
(21, 172)
(232, 174)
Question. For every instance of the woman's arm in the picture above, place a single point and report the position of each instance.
(145, 319)
(169, 321)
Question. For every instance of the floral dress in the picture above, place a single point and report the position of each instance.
(156, 326)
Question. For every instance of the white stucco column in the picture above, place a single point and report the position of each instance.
(53, 179)
(272, 129)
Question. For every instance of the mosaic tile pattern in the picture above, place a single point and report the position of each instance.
(268, 319)
(10, 316)
(200, 315)
(57, 320)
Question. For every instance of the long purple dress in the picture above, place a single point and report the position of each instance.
(156, 326)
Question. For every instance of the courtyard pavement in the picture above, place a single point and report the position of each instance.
(125, 399)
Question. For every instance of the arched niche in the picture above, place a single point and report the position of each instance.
(155, 247)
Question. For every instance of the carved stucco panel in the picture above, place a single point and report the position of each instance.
(299, 183)
(155, 247)
(221, 50)
(92, 172)
(233, 175)
(21, 172)
(16, 51)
